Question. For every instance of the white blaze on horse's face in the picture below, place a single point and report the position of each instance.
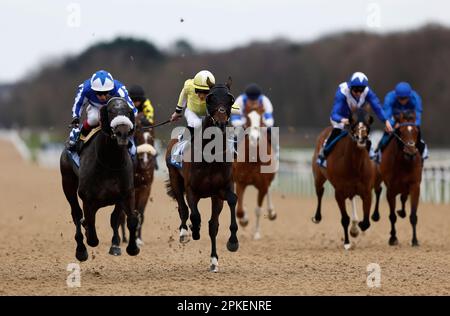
(361, 135)
(255, 123)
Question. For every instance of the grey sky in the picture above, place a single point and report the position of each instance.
(33, 31)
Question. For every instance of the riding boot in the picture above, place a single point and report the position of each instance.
(325, 150)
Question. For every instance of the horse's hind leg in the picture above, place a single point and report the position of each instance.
(319, 181)
(402, 212)
(270, 209)
(392, 217)
(415, 193)
(367, 203)
(217, 206)
(195, 214)
(116, 217)
(241, 214)
(354, 231)
(127, 204)
(261, 194)
(177, 192)
(70, 187)
(122, 227)
(345, 219)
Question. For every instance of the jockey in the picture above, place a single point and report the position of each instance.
(193, 98)
(142, 103)
(252, 96)
(350, 96)
(93, 94)
(402, 99)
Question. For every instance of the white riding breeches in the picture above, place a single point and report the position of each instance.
(93, 115)
(193, 120)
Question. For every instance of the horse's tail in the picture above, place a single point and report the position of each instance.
(169, 188)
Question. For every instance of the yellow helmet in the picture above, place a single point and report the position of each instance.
(201, 80)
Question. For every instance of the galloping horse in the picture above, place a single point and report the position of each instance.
(401, 172)
(204, 178)
(350, 171)
(143, 175)
(249, 172)
(105, 177)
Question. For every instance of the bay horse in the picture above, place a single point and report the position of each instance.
(105, 177)
(401, 171)
(349, 170)
(202, 178)
(248, 172)
(144, 171)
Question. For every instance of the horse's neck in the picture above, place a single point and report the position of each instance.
(108, 151)
(356, 154)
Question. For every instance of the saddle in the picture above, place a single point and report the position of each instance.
(84, 140)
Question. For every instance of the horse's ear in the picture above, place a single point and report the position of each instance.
(229, 82)
(370, 119)
(104, 120)
(209, 83)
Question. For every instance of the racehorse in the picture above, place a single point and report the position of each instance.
(401, 171)
(105, 177)
(144, 170)
(248, 172)
(350, 171)
(202, 178)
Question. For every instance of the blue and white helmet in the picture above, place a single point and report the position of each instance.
(358, 79)
(102, 81)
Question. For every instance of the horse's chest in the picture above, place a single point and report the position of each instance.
(206, 181)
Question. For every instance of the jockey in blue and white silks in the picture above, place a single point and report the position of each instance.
(402, 99)
(350, 96)
(253, 94)
(93, 94)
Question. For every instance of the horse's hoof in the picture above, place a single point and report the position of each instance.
(401, 213)
(415, 243)
(196, 235)
(347, 246)
(243, 221)
(82, 255)
(92, 242)
(272, 215)
(393, 241)
(232, 246)
(364, 225)
(214, 267)
(133, 251)
(316, 220)
(115, 251)
(184, 236)
(139, 242)
(354, 232)
(375, 217)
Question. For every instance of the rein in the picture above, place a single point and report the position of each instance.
(398, 137)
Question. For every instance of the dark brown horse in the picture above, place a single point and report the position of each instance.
(206, 178)
(144, 171)
(401, 171)
(350, 171)
(105, 177)
(249, 170)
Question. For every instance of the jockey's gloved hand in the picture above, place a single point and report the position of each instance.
(75, 122)
(175, 117)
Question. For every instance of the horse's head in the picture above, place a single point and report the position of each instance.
(219, 102)
(407, 133)
(254, 120)
(360, 122)
(117, 120)
(144, 142)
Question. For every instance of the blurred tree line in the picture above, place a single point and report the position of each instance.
(300, 79)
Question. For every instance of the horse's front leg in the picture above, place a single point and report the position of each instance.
(90, 211)
(402, 212)
(392, 217)
(116, 219)
(217, 206)
(261, 194)
(132, 222)
(345, 219)
(195, 214)
(241, 214)
(233, 243)
(367, 204)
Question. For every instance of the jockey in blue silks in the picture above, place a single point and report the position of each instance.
(93, 94)
(402, 99)
(350, 96)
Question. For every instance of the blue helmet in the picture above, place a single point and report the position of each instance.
(102, 81)
(403, 90)
(358, 79)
